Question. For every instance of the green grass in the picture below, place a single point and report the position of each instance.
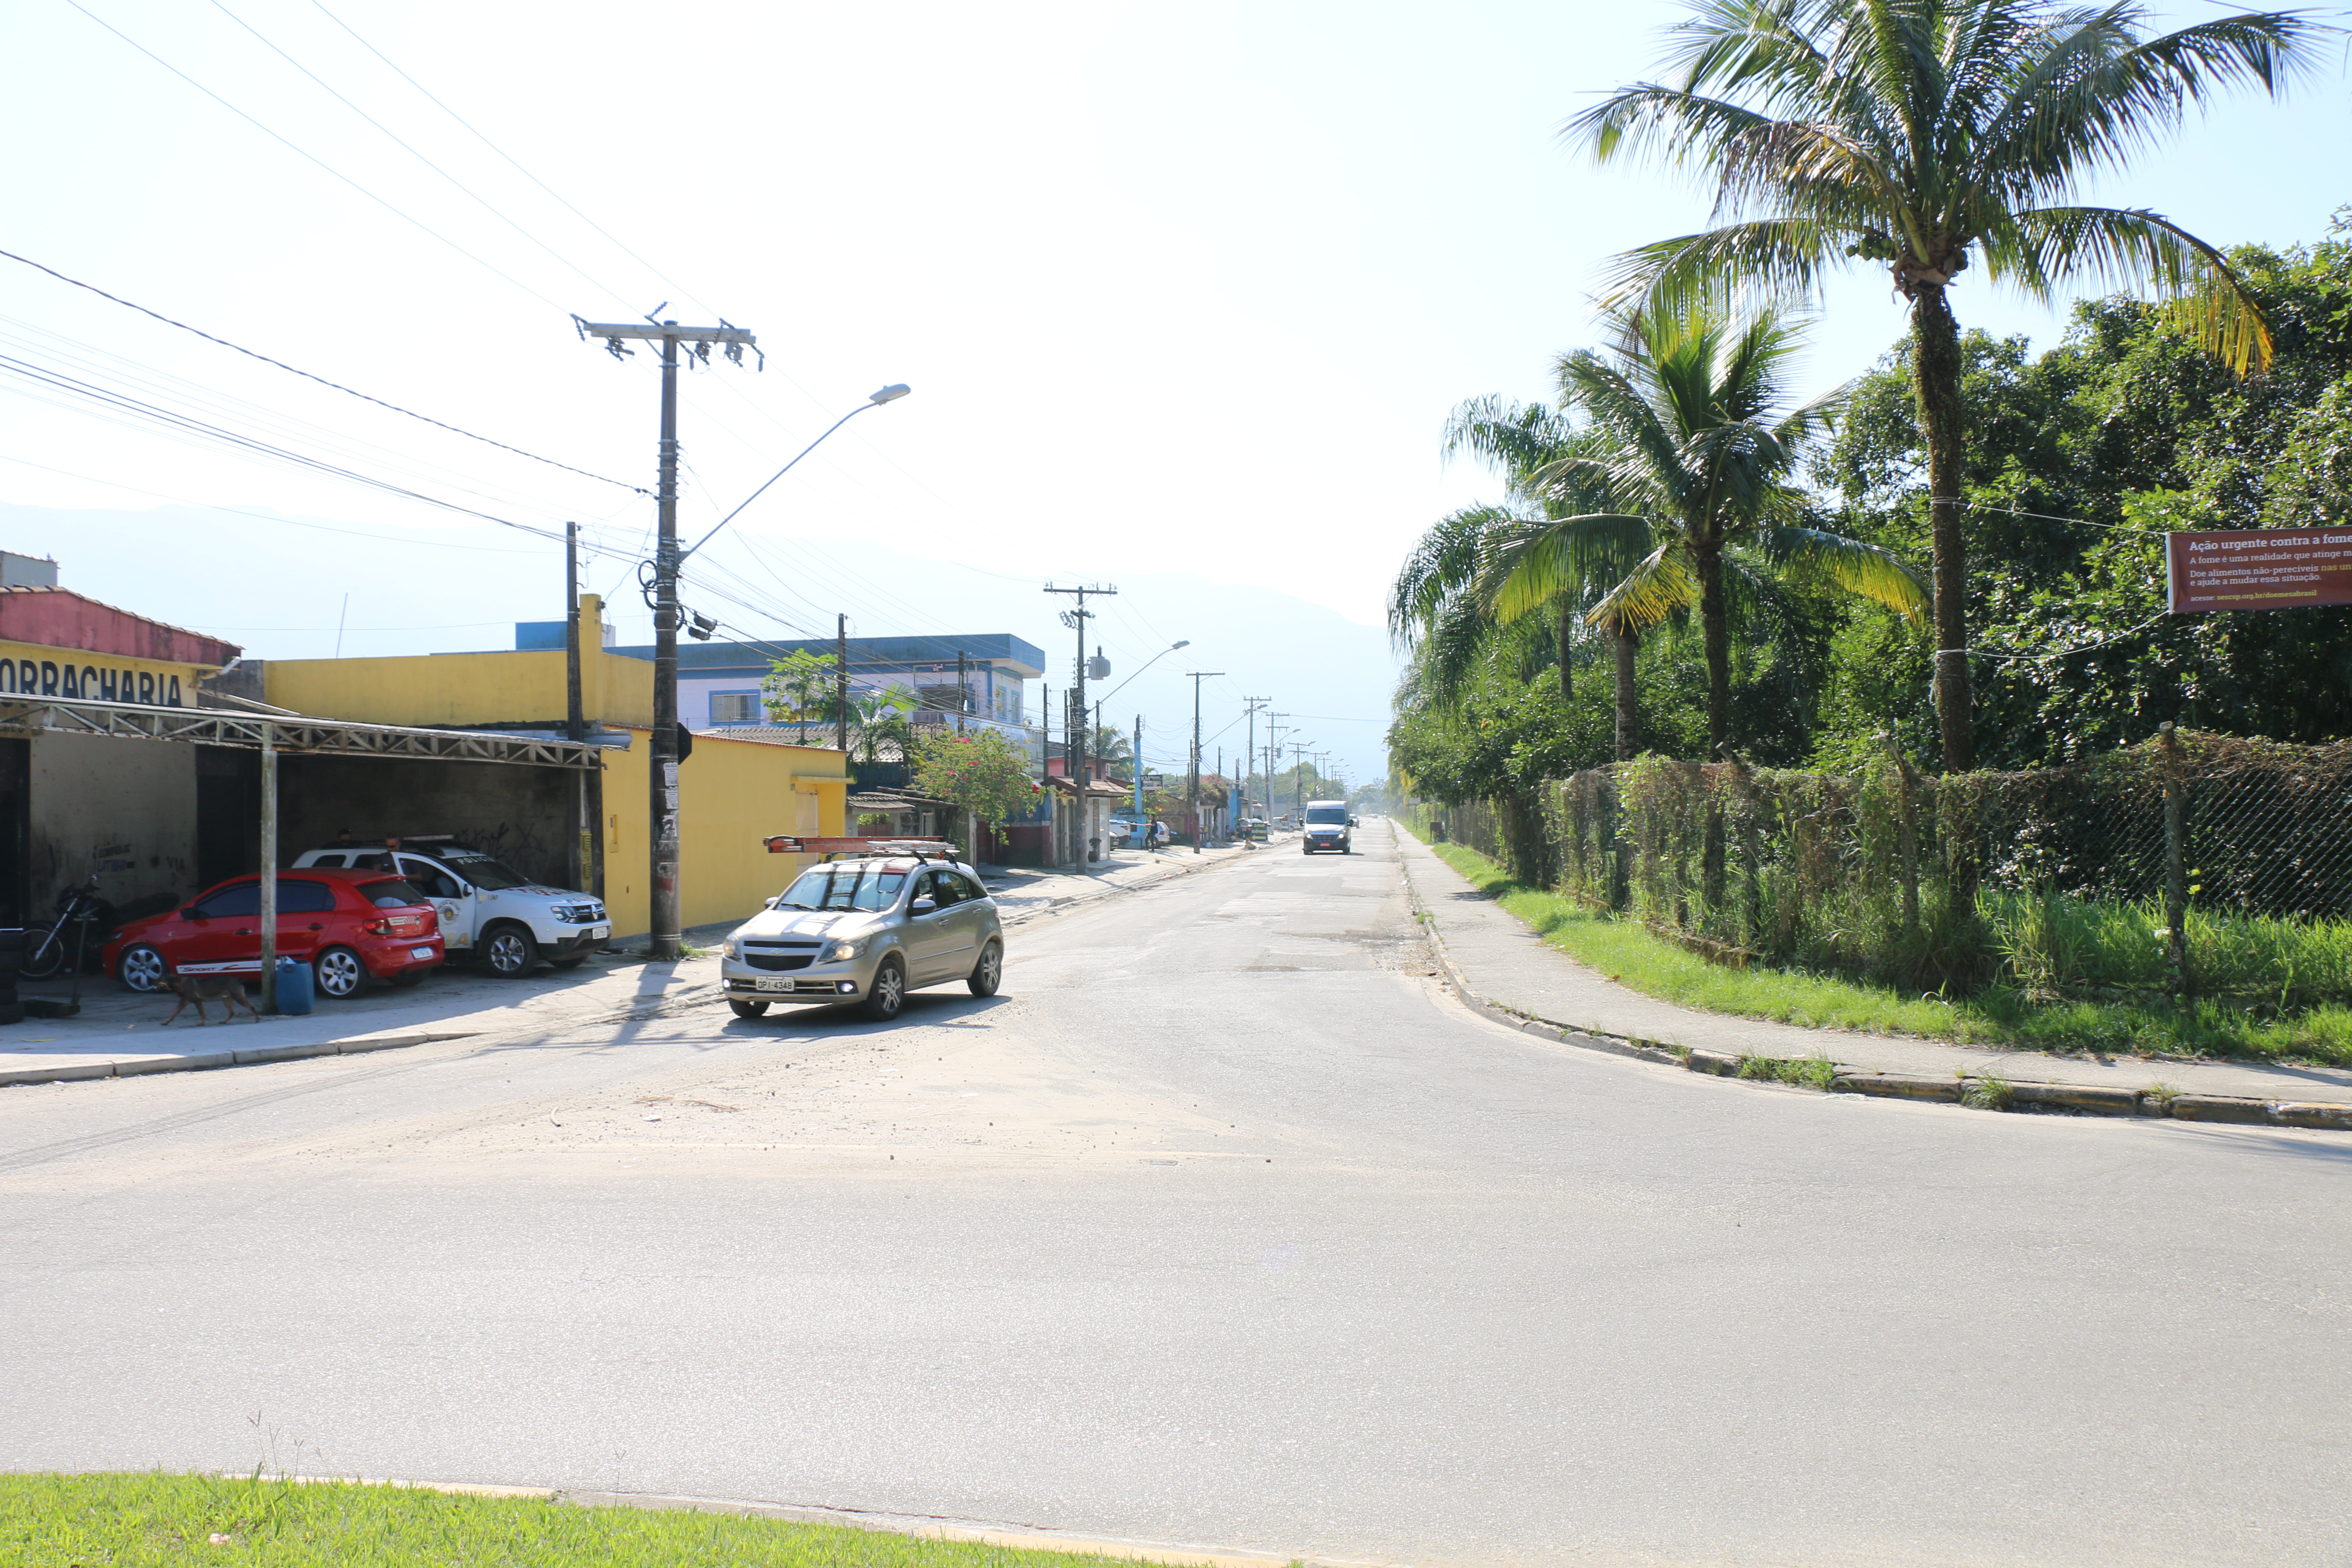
(1998, 1016)
(135, 1521)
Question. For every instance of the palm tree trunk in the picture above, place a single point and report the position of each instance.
(1715, 618)
(1936, 379)
(1625, 644)
(1935, 375)
(1567, 631)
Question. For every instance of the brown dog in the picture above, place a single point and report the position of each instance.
(227, 989)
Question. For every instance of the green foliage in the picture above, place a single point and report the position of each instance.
(155, 1521)
(978, 772)
(800, 687)
(2127, 425)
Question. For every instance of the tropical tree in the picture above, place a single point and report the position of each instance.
(1920, 134)
(799, 687)
(981, 774)
(1689, 427)
(880, 717)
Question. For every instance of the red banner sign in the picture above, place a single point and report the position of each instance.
(2257, 569)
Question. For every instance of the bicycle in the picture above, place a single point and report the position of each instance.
(47, 949)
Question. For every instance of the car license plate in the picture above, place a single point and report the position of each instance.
(420, 954)
(766, 984)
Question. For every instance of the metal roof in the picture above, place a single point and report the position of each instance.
(293, 733)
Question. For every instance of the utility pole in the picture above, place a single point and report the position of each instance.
(1273, 753)
(1192, 787)
(1074, 742)
(575, 716)
(963, 693)
(661, 769)
(841, 684)
(1138, 771)
(1250, 756)
(1298, 757)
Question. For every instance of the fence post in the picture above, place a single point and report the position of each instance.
(2175, 855)
(1908, 830)
(1613, 851)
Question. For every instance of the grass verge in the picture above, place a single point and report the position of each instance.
(135, 1521)
(1996, 1016)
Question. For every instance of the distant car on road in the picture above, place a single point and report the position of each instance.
(350, 927)
(864, 931)
(1328, 826)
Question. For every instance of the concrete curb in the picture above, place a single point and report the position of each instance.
(1027, 1538)
(80, 1071)
(1984, 1092)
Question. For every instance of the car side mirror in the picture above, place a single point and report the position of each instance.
(922, 906)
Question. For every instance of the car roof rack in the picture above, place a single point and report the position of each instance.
(830, 848)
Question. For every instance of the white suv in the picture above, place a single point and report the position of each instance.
(489, 911)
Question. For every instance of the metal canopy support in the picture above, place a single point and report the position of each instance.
(252, 731)
(268, 871)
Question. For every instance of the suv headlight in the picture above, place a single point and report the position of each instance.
(840, 951)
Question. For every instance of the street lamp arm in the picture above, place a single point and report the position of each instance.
(1139, 669)
(888, 395)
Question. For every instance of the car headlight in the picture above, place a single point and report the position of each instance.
(734, 948)
(840, 951)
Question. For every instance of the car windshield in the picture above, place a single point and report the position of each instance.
(484, 872)
(1337, 814)
(844, 888)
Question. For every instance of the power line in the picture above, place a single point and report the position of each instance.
(321, 380)
(321, 163)
(260, 516)
(371, 120)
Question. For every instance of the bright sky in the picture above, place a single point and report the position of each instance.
(1178, 289)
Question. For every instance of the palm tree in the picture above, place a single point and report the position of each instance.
(1690, 427)
(878, 717)
(1916, 133)
(1521, 442)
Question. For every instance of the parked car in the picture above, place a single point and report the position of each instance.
(1122, 832)
(864, 931)
(1327, 826)
(349, 926)
(489, 912)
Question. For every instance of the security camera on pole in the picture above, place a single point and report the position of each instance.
(659, 578)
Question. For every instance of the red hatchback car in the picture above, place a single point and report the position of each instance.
(348, 925)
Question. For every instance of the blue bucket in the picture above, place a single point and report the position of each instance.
(296, 994)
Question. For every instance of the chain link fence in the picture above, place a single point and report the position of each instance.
(2192, 861)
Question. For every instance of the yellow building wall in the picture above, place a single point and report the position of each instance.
(464, 688)
(730, 795)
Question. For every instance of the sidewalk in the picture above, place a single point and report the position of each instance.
(1498, 962)
(1023, 894)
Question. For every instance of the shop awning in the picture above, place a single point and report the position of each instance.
(336, 737)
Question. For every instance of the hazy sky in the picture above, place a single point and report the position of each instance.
(1178, 289)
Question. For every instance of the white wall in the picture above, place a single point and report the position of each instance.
(97, 801)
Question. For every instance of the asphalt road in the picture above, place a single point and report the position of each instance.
(1223, 1225)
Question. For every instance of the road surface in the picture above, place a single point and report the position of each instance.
(1224, 1225)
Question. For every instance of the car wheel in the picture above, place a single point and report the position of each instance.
(888, 992)
(989, 973)
(340, 972)
(407, 978)
(741, 1009)
(143, 969)
(511, 952)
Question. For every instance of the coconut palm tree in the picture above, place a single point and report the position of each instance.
(1688, 428)
(1922, 134)
(1568, 521)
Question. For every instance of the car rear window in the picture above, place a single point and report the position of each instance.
(391, 893)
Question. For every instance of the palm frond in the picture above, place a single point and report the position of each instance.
(1544, 563)
(1660, 587)
(2137, 249)
(1864, 570)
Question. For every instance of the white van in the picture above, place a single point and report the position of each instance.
(489, 912)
